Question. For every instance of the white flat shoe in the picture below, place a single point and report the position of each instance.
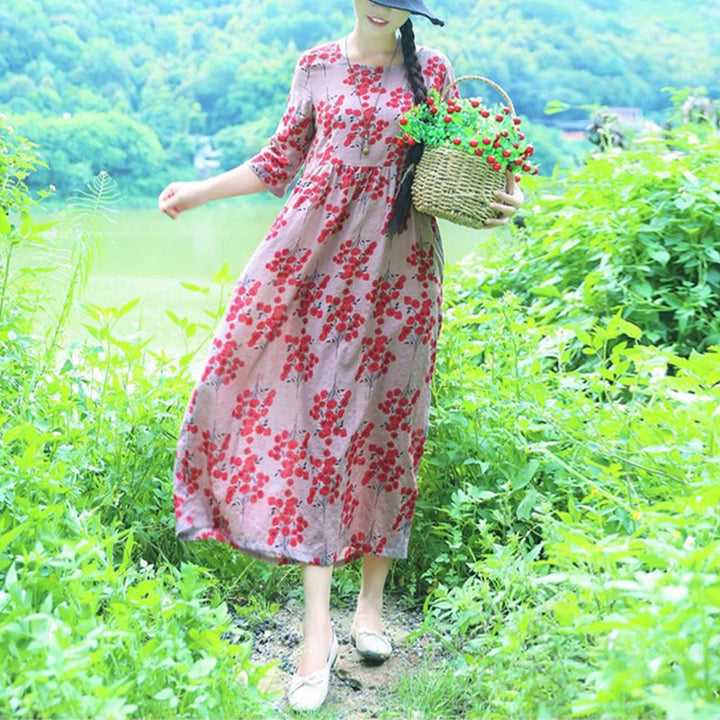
(370, 644)
(308, 692)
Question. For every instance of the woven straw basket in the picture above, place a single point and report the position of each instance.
(454, 185)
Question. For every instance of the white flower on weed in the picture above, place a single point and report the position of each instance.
(53, 188)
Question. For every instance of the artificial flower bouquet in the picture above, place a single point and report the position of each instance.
(469, 148)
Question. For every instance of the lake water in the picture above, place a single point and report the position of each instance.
(147, 256)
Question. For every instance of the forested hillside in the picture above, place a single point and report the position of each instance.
(172, 70)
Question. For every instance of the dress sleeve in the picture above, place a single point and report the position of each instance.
(278, 162)
(439, 73)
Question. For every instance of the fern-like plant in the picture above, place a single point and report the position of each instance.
(85, 219)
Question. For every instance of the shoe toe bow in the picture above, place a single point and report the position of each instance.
(308, 692)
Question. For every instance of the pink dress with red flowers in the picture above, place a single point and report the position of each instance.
(302, 439)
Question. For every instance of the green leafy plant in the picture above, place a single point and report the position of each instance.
(630, 231)
(18, 160)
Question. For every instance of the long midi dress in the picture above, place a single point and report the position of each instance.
(302, 438)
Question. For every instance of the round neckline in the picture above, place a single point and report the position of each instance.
(352, 63)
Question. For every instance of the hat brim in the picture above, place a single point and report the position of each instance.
(414, 7)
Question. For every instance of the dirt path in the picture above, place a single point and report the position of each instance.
(357, 689)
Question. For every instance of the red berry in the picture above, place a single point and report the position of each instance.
(529, 150)
(518, 162)
(499, 117)
(535, 171)
(517, 120)
(431, 100)
(515, 145)
(479, 152)
(403, 121)
(411, 141)
(473, 143)
(506, 110)
(497, 166)
(497, 144)
(485, 113)
(518, 178)
(457, 141)
(491, 160)
(433, 110)
(475, 103)
(527, 167)
(486, 141)
(504, 133)
(521, 136)
(506, 153)
(447, 119)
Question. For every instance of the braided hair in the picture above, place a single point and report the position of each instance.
(403, 197)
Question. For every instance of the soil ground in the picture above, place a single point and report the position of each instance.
(358, 689)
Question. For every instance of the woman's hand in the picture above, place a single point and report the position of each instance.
(509, 201)
(181, 196)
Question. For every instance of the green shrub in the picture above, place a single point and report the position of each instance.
(631, 230)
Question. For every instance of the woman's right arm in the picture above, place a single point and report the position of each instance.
(181, 196)
(272, 169)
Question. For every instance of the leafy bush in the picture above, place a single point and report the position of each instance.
(634, 231)
(570, 527)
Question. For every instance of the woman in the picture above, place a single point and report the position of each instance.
(302, 439)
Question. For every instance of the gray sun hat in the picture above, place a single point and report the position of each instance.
(416, 7)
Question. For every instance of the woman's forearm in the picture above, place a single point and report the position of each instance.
(179, 197)
(241, 180)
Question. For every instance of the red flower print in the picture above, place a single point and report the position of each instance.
(245, 479)
(343, 321)
(407, 509)
(377, 358)
(287, 525)
(290, 453)
(420, 320)
(353, 256)
(301, 361)
(397, 408)
(384, 470)
(252, 408)
(328, 410)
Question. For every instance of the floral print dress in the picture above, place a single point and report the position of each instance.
(302, 438)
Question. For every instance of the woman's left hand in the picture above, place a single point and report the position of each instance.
(508, 202)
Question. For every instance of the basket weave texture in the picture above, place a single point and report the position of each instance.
(455, 185)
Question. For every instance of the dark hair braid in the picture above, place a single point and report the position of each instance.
(403, 197)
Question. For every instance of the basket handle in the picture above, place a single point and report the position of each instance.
(487, 81)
